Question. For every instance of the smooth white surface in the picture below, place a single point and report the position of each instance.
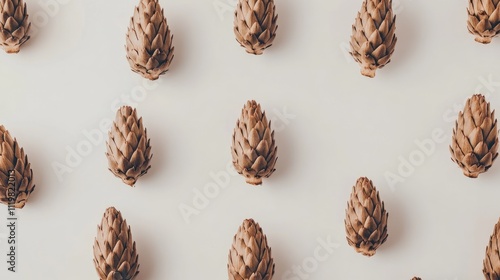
(71, 74)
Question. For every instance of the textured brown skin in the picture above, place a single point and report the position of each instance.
(12, 158)
(474, 143)
(366, 218)
(149, 41)
(14, 25)
(115, 255)
(254, 150)
(255, 24)
(250, 256)
(373, 38)
(484, 19)
(128, 147)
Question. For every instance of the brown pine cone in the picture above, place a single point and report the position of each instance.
(484, 19)
(491, 263)
(14, 25)
(366, 218)
(14, 166)
(373, 38)
(475, 137)
(149, 41)
(255, 24)
(115, 255)
(254, 149)
(128, 148)
(250, 256)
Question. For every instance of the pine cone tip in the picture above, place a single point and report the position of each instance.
(472, 175)
(368, 72)
(254, 181)
(11, 49)
(129, 181)
(483, 40)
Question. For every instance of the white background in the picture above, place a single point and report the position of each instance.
(72, 73)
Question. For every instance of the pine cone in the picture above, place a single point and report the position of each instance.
(475, 137)
(491, 263)
(250, 256)
(484, 19)
(14, 25)
(14, 165)
(254, 150)
(255, 24)
(366, 218)
(373, 36)
(115, 255)
(129, 150)
(149, 41)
